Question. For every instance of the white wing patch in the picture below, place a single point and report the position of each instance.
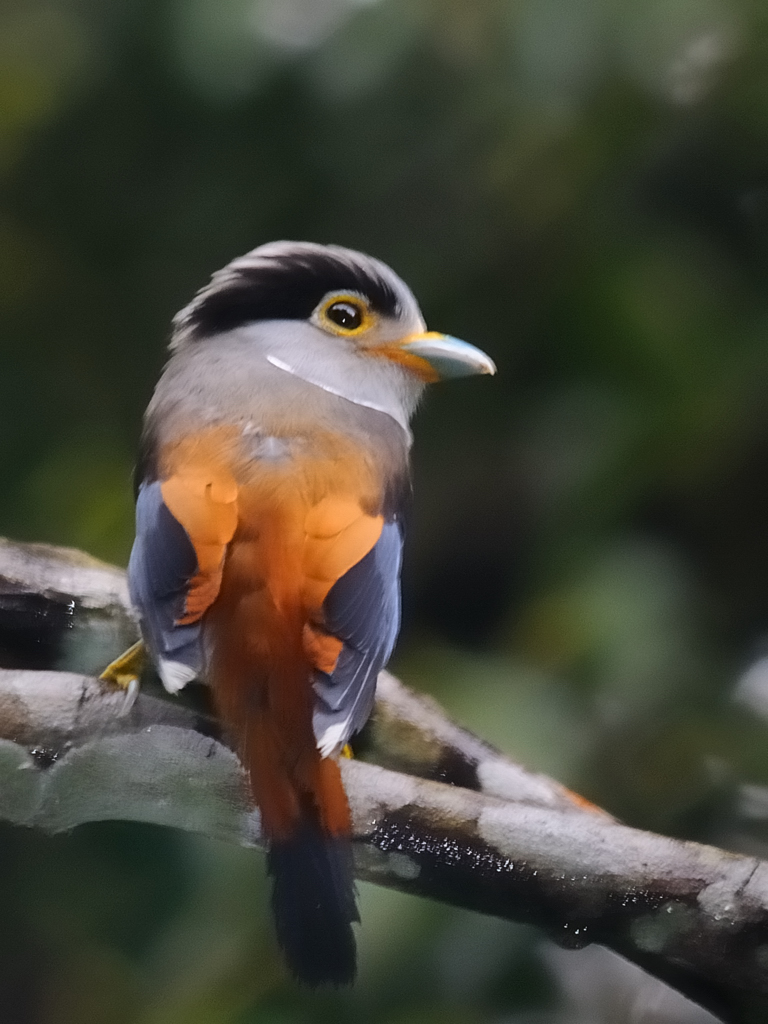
(334, 738)
(174, 674)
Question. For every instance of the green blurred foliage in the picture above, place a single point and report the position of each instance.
(578, 186)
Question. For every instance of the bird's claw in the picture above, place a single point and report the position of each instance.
(125, 671)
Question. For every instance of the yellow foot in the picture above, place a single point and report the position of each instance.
(126, 670)
(346, 751)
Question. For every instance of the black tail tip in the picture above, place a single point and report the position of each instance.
(313, 901)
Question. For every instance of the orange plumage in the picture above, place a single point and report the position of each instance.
(271, 538)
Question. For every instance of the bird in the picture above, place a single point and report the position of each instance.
(272, 485)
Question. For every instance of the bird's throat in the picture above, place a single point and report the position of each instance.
(281, 364)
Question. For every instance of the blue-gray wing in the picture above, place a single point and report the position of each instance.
(162, 563)
(362, 609)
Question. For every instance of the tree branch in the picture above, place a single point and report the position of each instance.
(62, 609)
(497, 839)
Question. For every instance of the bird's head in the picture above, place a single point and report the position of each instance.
(334, 317)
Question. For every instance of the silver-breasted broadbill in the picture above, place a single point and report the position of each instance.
(269, 531)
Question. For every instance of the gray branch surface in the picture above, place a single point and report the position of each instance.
(439, 814)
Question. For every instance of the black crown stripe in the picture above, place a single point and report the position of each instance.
(283, 288)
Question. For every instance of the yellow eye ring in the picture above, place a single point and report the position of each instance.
(344, 313)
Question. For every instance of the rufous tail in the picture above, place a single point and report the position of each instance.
(265, 699)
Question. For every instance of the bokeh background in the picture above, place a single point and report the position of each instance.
(580, 187)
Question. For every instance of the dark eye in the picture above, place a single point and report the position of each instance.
(346, 315)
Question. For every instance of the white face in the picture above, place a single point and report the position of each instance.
(349, 350)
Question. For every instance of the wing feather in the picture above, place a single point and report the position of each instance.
(162, 563)
(362, 609)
